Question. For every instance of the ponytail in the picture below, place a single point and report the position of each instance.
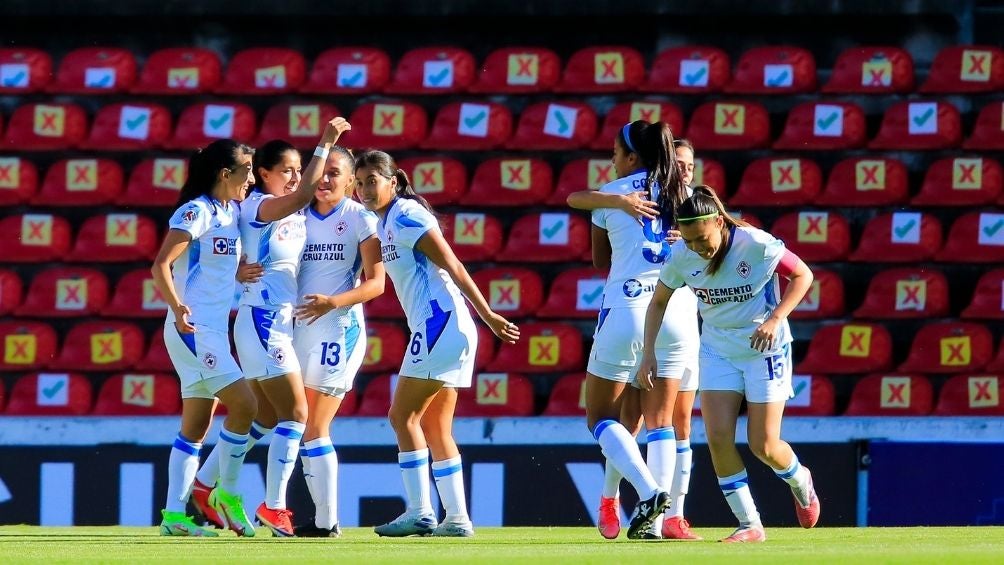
(654, 145)
(702, 206)
(385, 166)
(205, 164)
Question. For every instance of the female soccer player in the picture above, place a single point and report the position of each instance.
(431, 284)
(745, 347)
(330, 336)
(203, 244)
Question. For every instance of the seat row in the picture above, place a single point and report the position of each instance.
(479, 125)
(779, 69)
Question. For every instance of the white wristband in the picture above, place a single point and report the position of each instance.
(321, 152)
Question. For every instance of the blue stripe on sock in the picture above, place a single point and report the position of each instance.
(322, 450)
(438, 473)
(181, 445)
(414, 463)
(258, 431)
(288, 432)
(734, 485)
(600, 426)
(303, 451)
(683, 449)
(660, 434)
(230, 438)
(787, 474)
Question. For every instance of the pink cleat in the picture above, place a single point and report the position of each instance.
(808, 515)
(677, 527)
(747, 534)
(200, 498)
(609, 523)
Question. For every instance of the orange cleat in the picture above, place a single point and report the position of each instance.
(808, 515)
(747, 534)
(200, 498)
(609, 523)
(279, 520)
(677, 527)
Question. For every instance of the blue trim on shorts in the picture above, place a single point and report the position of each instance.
(188, 340)
(263, 320)
(604, 312)
(415, 463)
(317, 451)
(352, 335)
(600, 426)
(435, 325)
(661, 434)
(181, 444)
(440, 473)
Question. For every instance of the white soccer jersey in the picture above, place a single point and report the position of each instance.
(417, 280)
(277, 246)
(204, 274)
(739, 297)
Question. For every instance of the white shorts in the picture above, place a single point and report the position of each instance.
(760, 379)
(618, 344)
(443, 349)
(331, 351)
(202, 360)
(264, 339)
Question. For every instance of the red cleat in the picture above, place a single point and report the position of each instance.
(279, 520)
(747, 534)
(609, 523)
(677, 527)
(808, 515)
(200, 498)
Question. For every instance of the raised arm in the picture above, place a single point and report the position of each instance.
(317, 305)
(635, 204)
(174, 245)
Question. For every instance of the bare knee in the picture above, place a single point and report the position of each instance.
(242, 408)
(402, 420)
(681, 423)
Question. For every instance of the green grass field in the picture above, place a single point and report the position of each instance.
(20, 544)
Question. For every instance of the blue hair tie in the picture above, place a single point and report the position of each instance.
(626, 134)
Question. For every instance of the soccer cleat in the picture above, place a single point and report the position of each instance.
(747, 534)
(677, 527)
(230, 509)
(200, 499)
(808, 515)
(645, 512)
(408, 524)
(651, 532)
(609, 522)
(279, 520)
(312, 531)
(178, 524)
(454, 529)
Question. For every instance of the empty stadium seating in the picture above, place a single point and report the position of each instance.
(607, 68)
(891, 395)
(966, 68)
(440, 179)
(80, 182)
(871, 70)
(855, 347)
(568, 396)
(553, 126)
(960, 181)
(115, 238)
(814, 396)
(389, 125)
(971, 395)
(493, 395)
(542, 348)
(575, 293)
(824, 299)
(136, 125)
(299, 123)
(50, 394)
(510, 182)
(100, 345)
(24, 70)
(180, 71)
(778, 181)
(899, 237)
(690, 69)
(730, 125)
(433, 70)
(348, 70)
(518, 70)
(59, 292)
(988, 299)
(775, 69)
(514, 292)
(95, 70)
(547, 237)
(474, 236)
(264, 70)
(34, 238)
(975, 237)
(470, 126)
(46, 127)
(27, 345)
(11, 291)
(138, 395)
(385, 346)
(155, 182)
(814, 236)
(905, 293)
(136, 297)
(949, 347)
(18, 180)
(865, 181)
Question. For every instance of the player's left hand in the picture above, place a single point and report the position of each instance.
(502, 328)
(672, 236)
(249, 272)
(316, 305)
(645, 370)
(763, 337)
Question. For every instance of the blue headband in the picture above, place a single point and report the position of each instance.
(626, 133)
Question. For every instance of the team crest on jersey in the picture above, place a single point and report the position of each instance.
(632, 288)
(744, 269)
(340, 227)
(209, 360)
(389, 236)
(277, 354)
(189, 216)
(224, 246)
(291, 229)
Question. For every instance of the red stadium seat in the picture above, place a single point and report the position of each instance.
(518, 70)
(514, 292)
(960, 181)
(971, 395)
(11, 291)
(46, 127)
(899, 237)
(18, 180)
(998, 363)
(34, 238)
(27, 345)
(386, 306)
(780, 69)
(825, 298)
(388, 125)
(81, 182)
(919, 125)
(542, 348)
(575, 293)
(582, 174)
(139, 395)
(975, 237)
(747, 217)
(856, 347)
(95, 70)
(486, 345)
(113, 238)
(776, 181)
(385, 346)
(470, 126)
(264, 70)
(988, 298)
(547, 237)
(649, 110)
(299, 123)
(201, 124)
(710, 173)
(564, 125)
(965, 69)
(871, 70)
(156, 358)
(136, 297)
(814, 236)
(50, 394)
(950, 347)
(496, 395)
(24, 70)
(433, 70)
(896, 294)
(865, 182)
(814, 396)
(101, 345)
(689, 69)
(180, 71)
(129, 126)
(730, 125)
(824, 126)
(988, 133)
(349, 404)
(608, 68)
(568, 396)
(155, 182)
(474, 236)
(377, 396)
(510, 182)
(439, 179)
(59, 292)
(891, 395)
(348, 70)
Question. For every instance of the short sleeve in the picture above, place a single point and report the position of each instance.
(249, 210)
(600, 218)
(670, 276)
(411, 225)
(773, 248)
(366, 226)
(192, 218)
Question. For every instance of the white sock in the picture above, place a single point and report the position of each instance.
(232, 447)
(449, 475)
(661, 459)
(210, 470)
(324, 474)
(737, 493)
(281, 461)
(307, 477)
(797, 478)
(611, 480)
(621, 449)
(415, 474)
(681, 476)
(181, 467)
